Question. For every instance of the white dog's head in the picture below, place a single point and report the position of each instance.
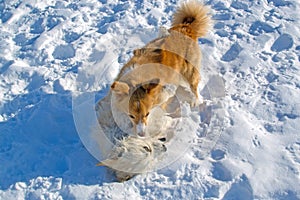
(134, 155)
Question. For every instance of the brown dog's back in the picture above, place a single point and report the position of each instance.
(178, 50)
(172, 59)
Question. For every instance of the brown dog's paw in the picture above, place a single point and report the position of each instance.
(195, 102)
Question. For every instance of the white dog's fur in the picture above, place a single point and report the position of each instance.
(127, 155)
(134, 155)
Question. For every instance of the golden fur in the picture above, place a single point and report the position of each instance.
(173, 58)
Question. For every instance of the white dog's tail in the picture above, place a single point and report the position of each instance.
(192, 19)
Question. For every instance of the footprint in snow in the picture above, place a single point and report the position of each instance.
(37, 27)
(217, 154)
(259, 27)
(220, 172)
(284, 42)
(22, 40)
(63, 52)
(232, 53)
(241, 189)
(294, 152)
(279, 3)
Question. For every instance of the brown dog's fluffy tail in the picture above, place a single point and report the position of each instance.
(192, 19)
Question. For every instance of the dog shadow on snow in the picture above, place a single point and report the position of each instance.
(38, 138)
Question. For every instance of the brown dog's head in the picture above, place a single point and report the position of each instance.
(142, 98)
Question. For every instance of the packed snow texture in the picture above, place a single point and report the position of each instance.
(246, 146)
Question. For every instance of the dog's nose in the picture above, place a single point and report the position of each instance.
(142, 134)
(141, 129)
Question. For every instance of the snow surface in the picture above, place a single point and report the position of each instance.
(247, 147)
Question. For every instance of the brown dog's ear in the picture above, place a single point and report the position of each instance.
(120, 87)
(152, 84)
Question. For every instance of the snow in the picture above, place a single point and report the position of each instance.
(57, 58)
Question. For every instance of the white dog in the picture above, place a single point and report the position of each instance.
(134, 155)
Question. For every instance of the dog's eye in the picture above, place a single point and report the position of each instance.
(147, 114)
(131, 116)
(162, 139)
(147, 148)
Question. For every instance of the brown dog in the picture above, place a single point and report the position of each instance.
(173, 59)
